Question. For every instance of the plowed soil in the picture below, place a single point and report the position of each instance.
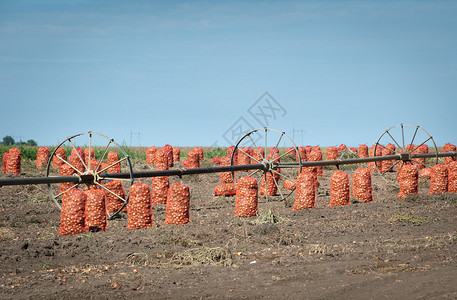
(387, 249)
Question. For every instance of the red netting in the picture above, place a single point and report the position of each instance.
(77, 151)
(308, 150)
(316, 155)
(225, 177)
(112, 158)
(362, 151)
(387, 165)
(244, 154)
(272, 188)
(13, 164)
(160, 186)
(452, 177)
(95, 211)
(332, 153)
(160, 160)
(56, 161)
(65, 170)
(313, 171)
(353, 149)
(229, 154)
(258, 154)
(408, 180)
(88, 155)
(291, 151)
(339, 189)
(178, 204)
(168, 151)
(449, 148)
(76, 162)
(72, 213)
(246, 199)
(361, 185)
(42, 157)
(193, 159)
(216, 160)
(224, 190)
(184, 163)
(94, 165)
(150, 155)
(139, 212)
(342, 147)
(201, 155)
(5, 161)
(425, 173)
(289, 184)
(372, 165)
(303, 154)
(114, 203)
(176, 154)
(438, 179)
(305, 192)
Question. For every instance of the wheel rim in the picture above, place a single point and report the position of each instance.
(95, 164)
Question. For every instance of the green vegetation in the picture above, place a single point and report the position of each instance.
(408, 217)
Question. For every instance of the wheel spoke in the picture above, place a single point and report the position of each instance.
(109, 191)
(77, 153)
(390, 168)
(71, 166)
(282, 175)
(277, 185)
(414, 136)
(59, 194)
(421, 144)
(265, 142)
(239, 149)
(256, 147)
(103, 156)
(418, 162)
(114, 163)
(277, 144)
(283, 155)
(395, 141)
(403, 136)
(250, 175)
(90, 147)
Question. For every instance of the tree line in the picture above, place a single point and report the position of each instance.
(9, 141)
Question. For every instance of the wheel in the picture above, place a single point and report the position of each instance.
(269, 147)
(404, 139)
(93, 154)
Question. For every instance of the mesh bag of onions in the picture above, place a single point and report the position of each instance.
(313, 171)
(305, 192)
(362, 189)
(271, 188)
(76, 162)
(339, 189)
(112, 158)
(332, 153)
(42, 156)
(176, 154)
(452, 177)
(65, 170)
(244, 154)
(89, 154)
(168, 151)
(425, 173)
(289, 184)
(150, 155)
(5, 161)
(438, 179)
(246, 199)
(316, 155)
(160, 186)
(225, 177)
(95, 210)
(230, 151)
(13, 164)
(216, 160)
(224, 190)
(139, 212)
(160, 160)
(303, 154)
(258, 154)
(56, 161)
(200, 153)
(72, 213)
(449, 148)
(178, 204)
(193, 159)
(362, 151)
(114, 196)
(408, 180)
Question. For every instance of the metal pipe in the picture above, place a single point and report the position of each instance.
(40, 180)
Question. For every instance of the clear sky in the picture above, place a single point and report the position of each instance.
(187, 73)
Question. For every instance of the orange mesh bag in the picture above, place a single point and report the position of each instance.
(184, 163)
(361, 185)
(246, 199)
(216, 160)
(313, 171)
(289, 184)
(160, 186)
(243, 156)
(78, 151)
(339, 189)
(225, 177)
(112, 158)
(13, 165)
(56, 161)
(95, 211)
(88, 155)
(305, 192)
(438, 179)
(160, 160)
(224, 190)
(178, 204)
(5, 161)
(387, 165)
(315, 148)
(342, 147)
(303, 154)
(308, 150)
(176, 154)
(372, 165)
(271, 189)
(362, 152)
(423, 149)
(425, 173)
(452, 177)
(42, 156)
(113, 202)
(258, 154)
(168, 151)
(449, 148)
(139, 212)
(95, 165)
(292, 152)
(332, 153)
(72, 213)
(316, 155)
(150, 155)
(193, 159)
(201, 155)
(76, 162)
(408, 180)
(235, 155)
(65, 170)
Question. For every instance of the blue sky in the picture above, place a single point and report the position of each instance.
(184, 73)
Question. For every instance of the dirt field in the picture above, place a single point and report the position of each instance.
(388, 249)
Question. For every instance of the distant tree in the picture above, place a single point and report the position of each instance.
(31, 143)
(8, 140)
